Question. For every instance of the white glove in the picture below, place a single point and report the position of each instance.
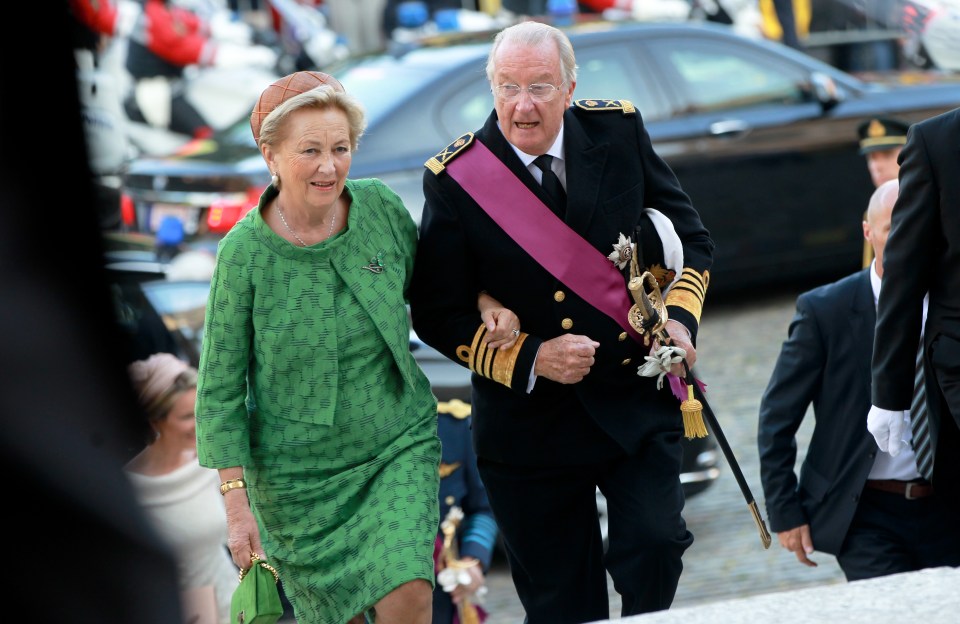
(233, 56)
(887, 428)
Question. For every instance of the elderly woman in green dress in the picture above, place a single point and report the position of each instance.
(310, 404)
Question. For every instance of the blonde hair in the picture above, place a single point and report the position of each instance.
(319, 98)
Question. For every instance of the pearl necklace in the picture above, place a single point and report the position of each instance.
(333, 220)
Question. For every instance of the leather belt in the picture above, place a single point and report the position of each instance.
(910, 490)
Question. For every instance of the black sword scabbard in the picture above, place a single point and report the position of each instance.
(731, 461)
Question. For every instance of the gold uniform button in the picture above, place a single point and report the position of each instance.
(625, 362)
(450, 500)
(566, 323)
(622, 336)
(559, 296)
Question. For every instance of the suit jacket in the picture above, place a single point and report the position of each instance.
(923, 254)
(825, 361)
(612, 174)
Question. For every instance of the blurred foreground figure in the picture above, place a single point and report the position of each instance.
(64, 394)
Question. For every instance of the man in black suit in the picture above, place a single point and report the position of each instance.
(843, 503)
(563, 411)
(923, 256)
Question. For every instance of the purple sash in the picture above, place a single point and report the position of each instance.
(535, 227)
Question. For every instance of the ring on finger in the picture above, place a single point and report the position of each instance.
(516, 332)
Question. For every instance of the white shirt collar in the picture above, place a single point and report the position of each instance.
(875, 282)
(556, 150)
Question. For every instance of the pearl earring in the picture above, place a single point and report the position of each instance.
(275, 181)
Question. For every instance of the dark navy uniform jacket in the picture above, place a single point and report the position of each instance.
(612, 174)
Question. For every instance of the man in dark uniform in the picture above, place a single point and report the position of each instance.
(850, 500)
(881, 139)
(923, 256)
(563, 411)
(476, 531)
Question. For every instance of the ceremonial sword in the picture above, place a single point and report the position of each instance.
(653, 322)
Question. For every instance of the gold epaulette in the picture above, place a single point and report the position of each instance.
(495, 364)
(438, 162)
(607, 105)
(689, 291)
(454, 407)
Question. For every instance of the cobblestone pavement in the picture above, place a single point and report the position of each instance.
(738, 346)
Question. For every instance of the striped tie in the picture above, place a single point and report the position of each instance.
(918, 421)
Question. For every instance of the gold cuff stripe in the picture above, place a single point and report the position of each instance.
(692, 275)
(689, 301)
(506, 361)
(490, 363)
(692, 285)
(688, 293)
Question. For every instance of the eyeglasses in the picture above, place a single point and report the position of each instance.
(539, 92)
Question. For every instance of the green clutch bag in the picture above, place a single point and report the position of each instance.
(256, 600)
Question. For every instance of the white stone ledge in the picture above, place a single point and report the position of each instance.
(929, 596)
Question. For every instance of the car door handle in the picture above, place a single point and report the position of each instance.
(728, 127)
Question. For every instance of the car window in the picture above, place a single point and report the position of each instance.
(606, 72)
(714, 76)
(467, 104)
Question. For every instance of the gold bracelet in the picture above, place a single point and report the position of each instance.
(232, 484)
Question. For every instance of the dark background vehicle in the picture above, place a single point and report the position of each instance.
(763, 138)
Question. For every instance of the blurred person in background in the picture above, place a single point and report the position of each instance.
(178, 494)
(162, 40)
(476, 534)
(850, 501)
(881, 140)
(786, 21)
(923, 256)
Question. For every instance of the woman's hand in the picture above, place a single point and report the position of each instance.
(243, 534)
(503, 326)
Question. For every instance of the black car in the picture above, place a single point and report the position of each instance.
(763, 138)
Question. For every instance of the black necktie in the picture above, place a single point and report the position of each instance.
(551, 184)
(918, 421)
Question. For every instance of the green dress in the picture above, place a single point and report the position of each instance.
(336, 429)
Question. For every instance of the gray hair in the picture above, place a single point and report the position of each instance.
(535, 34)
(320, 98)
